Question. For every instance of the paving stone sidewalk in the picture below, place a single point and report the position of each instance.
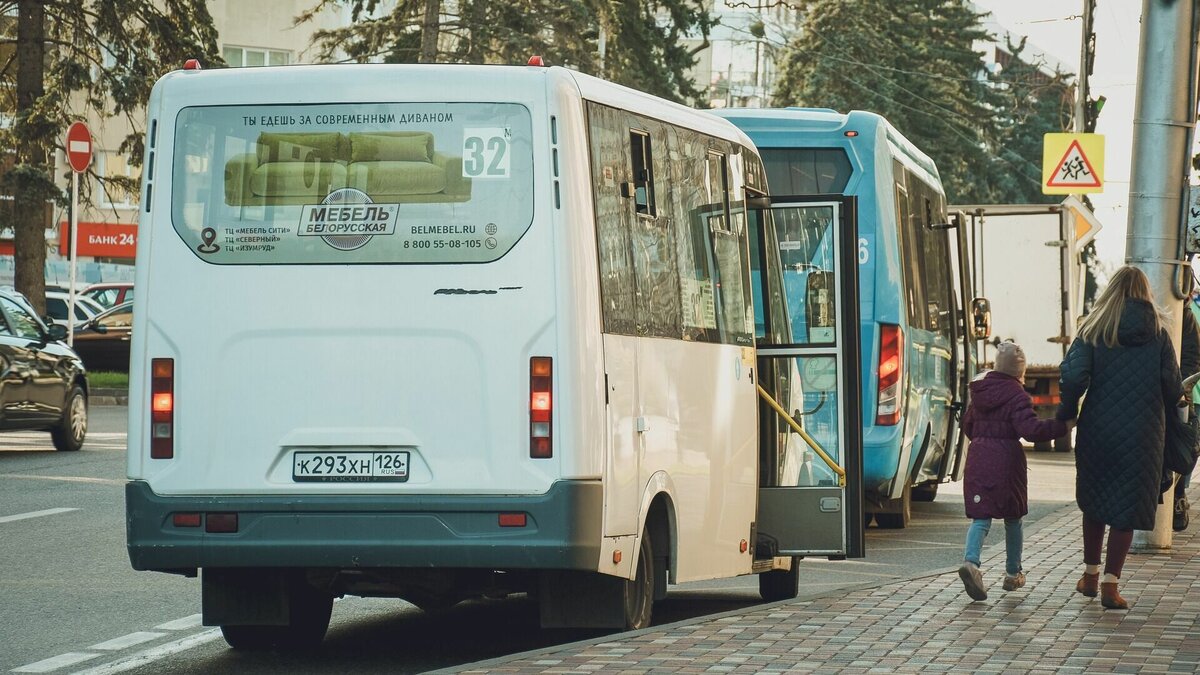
(928, 624)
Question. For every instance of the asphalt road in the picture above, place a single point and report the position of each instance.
(71, 603)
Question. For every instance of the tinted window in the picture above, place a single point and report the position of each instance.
(806, 171)
(23, 323)
(56, 308)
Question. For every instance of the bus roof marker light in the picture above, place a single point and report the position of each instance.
(852, 133)
(536, 60)
(192, 64)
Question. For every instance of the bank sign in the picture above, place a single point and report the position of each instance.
(100, 240)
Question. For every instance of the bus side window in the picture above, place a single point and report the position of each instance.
(643, 172)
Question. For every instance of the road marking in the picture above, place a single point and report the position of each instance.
(902, 540)
(186, 622)
(127, 641)
(153, 654)
(34, 514)
(67, 479)
(56, 662)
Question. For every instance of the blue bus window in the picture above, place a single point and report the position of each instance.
(806, 171)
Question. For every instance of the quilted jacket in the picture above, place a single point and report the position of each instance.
(1119, 440)
(995, 483)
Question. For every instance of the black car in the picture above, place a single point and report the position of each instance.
(43, 384)
(103, 342)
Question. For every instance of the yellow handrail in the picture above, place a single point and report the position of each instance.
(807, 439)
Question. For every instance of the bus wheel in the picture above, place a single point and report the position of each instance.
(308, 619)
(925, 492)
(639, 593)
(68, 435)
(780, 584)
(899, 519)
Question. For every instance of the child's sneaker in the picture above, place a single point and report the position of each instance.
(972, 580)
(1014, 581)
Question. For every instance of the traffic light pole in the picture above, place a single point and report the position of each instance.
(1163, 124)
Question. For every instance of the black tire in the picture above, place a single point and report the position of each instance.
(780, 584)
(900, 519)
(309, 610)
(68, 435)
(639, 592)
(1064, 444)
(925, 492)
(1042, 446)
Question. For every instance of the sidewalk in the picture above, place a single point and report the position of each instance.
(928, 624)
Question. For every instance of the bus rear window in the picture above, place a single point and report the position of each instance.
(352, 183)
(806, 171)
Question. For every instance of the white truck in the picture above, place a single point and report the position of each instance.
(1028, 263)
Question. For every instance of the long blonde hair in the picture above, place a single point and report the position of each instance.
(1102, 323)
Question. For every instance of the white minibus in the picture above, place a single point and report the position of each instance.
(440, 331)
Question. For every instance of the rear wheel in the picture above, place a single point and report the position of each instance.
(925, 492)
(309, 610)
(899, 519)
(780, 584)
(639, 592)
(70, 431)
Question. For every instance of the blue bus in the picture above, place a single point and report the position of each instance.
(913, 283)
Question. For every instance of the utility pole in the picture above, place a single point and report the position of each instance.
(1163, 125)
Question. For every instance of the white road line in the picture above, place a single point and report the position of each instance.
(68, 479)
(153, 654)
(127, 641)
(186, 622)
(34, 514)
(56, 662)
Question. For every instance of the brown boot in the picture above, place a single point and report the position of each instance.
(1110, 598)
(1088, 584)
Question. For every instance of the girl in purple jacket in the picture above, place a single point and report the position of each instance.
(995, 482)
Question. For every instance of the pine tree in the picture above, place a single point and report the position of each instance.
(72, 58)
(640, 50)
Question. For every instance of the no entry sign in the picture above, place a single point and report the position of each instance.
(79, 147)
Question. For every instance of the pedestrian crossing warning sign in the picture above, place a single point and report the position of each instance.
(1072, 164)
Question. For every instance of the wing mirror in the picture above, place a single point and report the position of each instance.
(56, 332)
(97, 326)
(981, 319)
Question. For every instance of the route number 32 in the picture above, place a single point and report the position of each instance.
(486, 152)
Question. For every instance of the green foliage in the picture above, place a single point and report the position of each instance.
(65, 60)
(108, 380)
(914, 62)
(639, 50)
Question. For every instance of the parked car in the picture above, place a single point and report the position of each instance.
(103, 342)
(57, 303)
(43, 383)
(110, 294)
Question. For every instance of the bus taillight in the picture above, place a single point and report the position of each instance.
(541, 407)
(162, 408)
(891, 374)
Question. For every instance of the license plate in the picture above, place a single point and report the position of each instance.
(349, 467)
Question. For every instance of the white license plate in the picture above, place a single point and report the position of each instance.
(349, 466)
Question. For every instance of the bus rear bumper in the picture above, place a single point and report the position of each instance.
(562, 530)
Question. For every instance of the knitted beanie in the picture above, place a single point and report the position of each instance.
(1010, 360)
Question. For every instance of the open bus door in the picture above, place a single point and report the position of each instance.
(964, 332)
(810, 499)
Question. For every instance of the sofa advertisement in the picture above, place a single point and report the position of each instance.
(352, 183)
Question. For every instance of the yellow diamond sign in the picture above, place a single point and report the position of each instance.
(1072, 164)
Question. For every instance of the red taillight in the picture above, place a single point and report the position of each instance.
(220, 522)
(162, 408)
(191, 64)
(541, 407)
(891, 375)
(1045, 399)
(511, 520)
(186, 519)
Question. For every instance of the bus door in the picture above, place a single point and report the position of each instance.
(810, 417)
(964, 348)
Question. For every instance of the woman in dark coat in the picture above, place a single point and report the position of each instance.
(995, 481)
(1123, 359)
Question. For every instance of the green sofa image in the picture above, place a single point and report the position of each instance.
(302, 168)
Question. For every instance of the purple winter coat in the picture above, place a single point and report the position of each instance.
(1000, 414)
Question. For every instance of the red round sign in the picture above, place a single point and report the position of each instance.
(79, 147)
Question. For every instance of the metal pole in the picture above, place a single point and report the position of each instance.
(1162, 119)
(74, 233)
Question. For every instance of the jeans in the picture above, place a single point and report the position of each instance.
(1013, 542)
